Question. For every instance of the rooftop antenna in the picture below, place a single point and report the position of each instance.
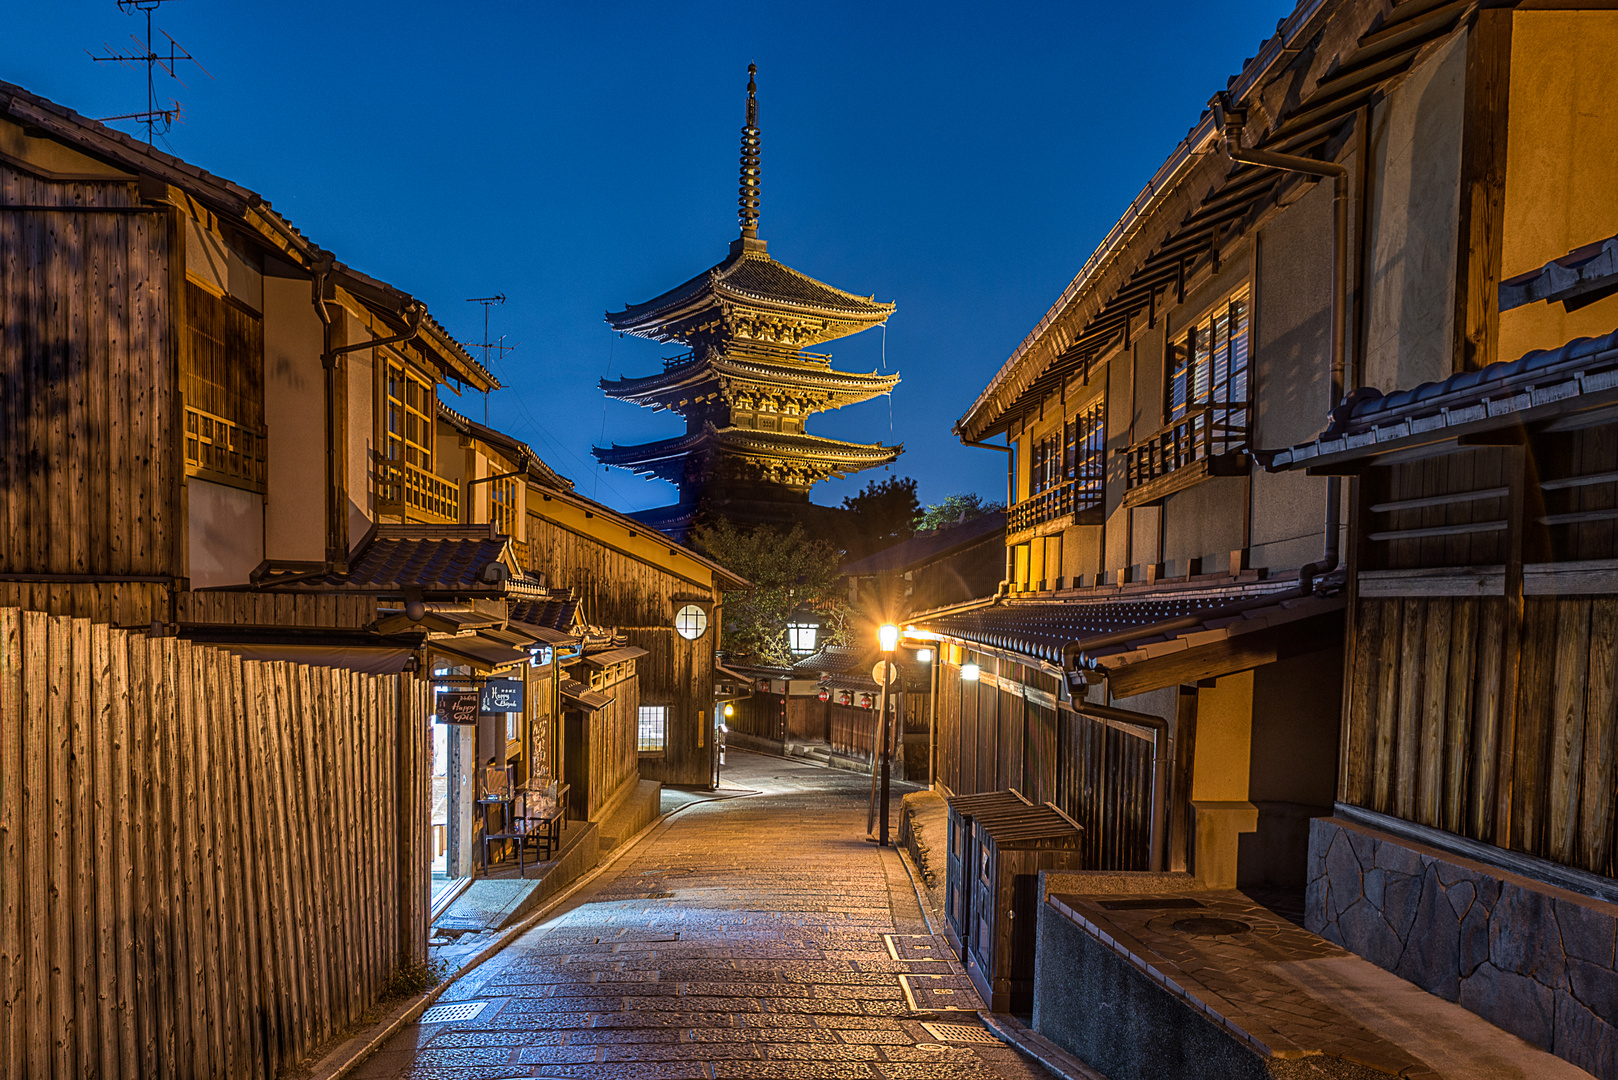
(498, 348)
(157, 120)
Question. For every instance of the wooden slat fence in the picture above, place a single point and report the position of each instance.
(208, 866)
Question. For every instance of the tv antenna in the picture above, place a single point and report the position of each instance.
(497, 348)
(158, 120)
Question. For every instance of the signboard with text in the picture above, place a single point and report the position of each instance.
(503, 696)
(456, 706)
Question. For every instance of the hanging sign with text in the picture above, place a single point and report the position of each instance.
(456, 706)
(502, 696)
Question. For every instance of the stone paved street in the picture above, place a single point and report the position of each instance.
(743, 939)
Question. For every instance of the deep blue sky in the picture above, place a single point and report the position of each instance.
(958, 158)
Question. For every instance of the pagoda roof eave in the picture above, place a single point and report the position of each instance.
(746, 440)
(869, 384)
(748, 278)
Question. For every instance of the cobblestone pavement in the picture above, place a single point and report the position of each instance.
(744, 938)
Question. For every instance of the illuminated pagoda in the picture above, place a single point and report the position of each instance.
(747, 384)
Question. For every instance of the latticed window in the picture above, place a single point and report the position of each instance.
(653, 731)
(1085, 447)
(224, 387)
(1208, 364)
(503, 505)
(408, 422)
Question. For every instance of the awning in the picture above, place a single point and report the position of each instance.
(581, 695)
(542, 633)
(370, 660)
(1159, 641)
(615, 656)
(483, 653)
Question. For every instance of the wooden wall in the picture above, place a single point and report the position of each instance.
(1447, 728)
(90, 465)
(614, 761)
(990, 739)
(624, 593)
(208, 866)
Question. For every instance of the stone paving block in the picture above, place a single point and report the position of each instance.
(792, 1070)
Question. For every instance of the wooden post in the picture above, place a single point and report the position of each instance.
(1483, 189)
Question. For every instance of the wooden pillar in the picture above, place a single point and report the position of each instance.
(1481, 227)
(462, 790)
(1181, 842)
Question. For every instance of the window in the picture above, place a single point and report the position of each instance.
(653, 729)
(1208, 366)
(513, 727)
(409, 419)
(691, 622)
(503, 505)
(224, 388)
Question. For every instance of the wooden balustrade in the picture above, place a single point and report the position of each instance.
(227, 450)
(402, 488)
(1208, 439)
(1072, 497)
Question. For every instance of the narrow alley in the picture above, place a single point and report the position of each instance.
(746, 936)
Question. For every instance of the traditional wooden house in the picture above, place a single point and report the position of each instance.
(746, 385)
(932, 570)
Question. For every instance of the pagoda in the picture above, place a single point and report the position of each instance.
(747, 383)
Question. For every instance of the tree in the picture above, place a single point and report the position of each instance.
(884, 512)
(788, 571)
(954, 509)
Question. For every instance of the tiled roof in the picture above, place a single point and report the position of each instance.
(924, 549)
(752, 275)
(580, 694)
(441, 559)
(697, 372)
(830, 658)
(1114, 629)
(556, 611)
(775, 443)
(1580, 277)
(1499, 394)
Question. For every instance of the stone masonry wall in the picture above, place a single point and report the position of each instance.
(1533, 959)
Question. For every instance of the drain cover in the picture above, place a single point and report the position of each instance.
(960, 1033)
(1208, 926)
(443, 1014)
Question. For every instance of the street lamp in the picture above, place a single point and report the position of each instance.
(803, 632)
(887, 637)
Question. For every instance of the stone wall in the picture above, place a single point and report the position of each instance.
(1533, 959)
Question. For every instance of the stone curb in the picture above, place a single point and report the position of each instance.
(353, 1052)
(1011, 1032)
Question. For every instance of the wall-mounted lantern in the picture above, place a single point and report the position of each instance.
(803, 631)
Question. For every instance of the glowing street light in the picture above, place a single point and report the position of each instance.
(888, 636)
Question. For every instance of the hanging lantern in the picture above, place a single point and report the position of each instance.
(846, 698)
(825, 695)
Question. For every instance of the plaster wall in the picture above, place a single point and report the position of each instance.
(1561, 184)
(210, 259)
(1222, 762)
(224, 533)
(1204, 522)
(1415, 138)
(361, 443)
(294, 414)
(1297, 703)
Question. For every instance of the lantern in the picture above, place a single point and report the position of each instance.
(803, 632)
(888, 637)
(825, 695)
(969, 673)
(846, 698)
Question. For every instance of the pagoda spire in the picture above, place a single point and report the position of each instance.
(748, 201)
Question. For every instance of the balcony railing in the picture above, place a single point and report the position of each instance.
(1072, 497)
(223, 447)
(402, 488)
(1215, 434)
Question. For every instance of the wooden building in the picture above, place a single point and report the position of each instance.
(1396, 216)
(932, 570)
(747, 384)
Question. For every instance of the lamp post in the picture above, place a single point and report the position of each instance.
(888, 640)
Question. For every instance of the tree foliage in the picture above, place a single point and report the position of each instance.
(788, 571)
(953, 510)
(884, 512)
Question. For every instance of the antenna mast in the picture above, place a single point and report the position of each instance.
(499, 348)
(157, 120)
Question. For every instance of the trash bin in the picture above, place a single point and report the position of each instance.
(1011, 847)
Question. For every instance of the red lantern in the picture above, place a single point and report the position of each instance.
(847, 698)
(825, 695)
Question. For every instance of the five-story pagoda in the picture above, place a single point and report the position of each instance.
(747, 383)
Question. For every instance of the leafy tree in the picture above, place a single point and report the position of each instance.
(954, 509)
(788, 571)
(884, 512)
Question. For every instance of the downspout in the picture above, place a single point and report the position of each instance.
(1011, 489)
(1230, 121)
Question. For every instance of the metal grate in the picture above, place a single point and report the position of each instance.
(462, 1010)
(960, 1033)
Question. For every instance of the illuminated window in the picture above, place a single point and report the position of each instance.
(408, 422)
(691, 622)
(513, 727)
(653, 729)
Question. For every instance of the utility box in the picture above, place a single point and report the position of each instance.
(1011, 848)
(961, 858)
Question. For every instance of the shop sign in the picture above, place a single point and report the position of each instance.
(456, 706)
(503, 696)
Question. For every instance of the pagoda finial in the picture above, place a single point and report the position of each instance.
(748, 202)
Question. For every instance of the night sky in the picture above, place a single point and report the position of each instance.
(959, 159)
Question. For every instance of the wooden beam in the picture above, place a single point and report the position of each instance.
(1483, 189)
(1228, 656)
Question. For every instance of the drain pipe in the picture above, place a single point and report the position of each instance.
(1157, 725)
(1231, 120)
